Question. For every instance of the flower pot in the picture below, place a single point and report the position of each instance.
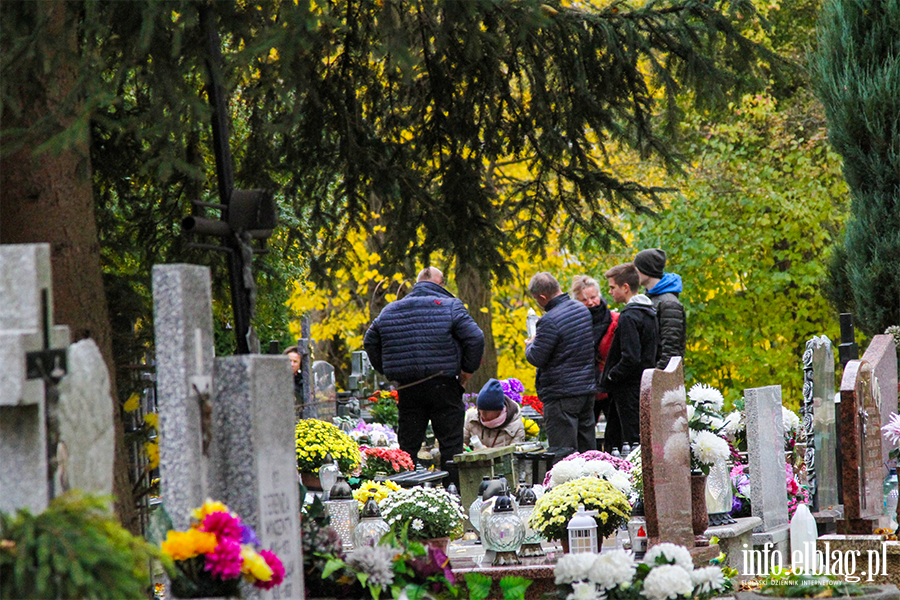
(872, 592)
(699, 515)
(441, 543)
(565, 545)
(311, 481)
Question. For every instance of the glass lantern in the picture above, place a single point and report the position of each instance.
(531, 546)
(328, 474)
(637, 533)
(719, 495)
(475, 507)
(371, 526)
(504, 532)
(582, 530)
(343, 510)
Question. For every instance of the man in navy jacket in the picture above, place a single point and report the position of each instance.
(429, 344)
(563, 352)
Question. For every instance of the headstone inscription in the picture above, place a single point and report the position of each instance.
(819, 423)
(228, 437)
(882, 355)
(765, 453)
(861, 451)
(255, 467)
(666, 456)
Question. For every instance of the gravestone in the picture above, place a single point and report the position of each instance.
(86, 423)
(305, 407)
(882, 355)
(819, 423)
(255, 466)
(666, 459)
(228, 437)
(182, 320)
(861, 451)
(324, 389)
(766, 461)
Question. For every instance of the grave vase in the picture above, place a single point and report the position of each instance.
(699, 515)
(311, 481)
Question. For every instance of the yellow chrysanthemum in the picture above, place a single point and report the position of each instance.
(182, 545)
(254, 566)
(208, 507)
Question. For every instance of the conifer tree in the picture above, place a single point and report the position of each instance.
(858, 79)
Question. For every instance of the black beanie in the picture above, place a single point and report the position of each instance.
(491, 396)
(651, 262)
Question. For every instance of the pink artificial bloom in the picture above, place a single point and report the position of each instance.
(225, 526)
(277, 570)
(792, 486)
(225, 561)
(891, 430)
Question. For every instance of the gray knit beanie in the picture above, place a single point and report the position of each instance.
(651, 262)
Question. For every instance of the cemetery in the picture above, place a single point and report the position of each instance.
(460, 299)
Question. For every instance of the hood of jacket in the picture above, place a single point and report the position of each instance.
(670, 283)
(429, 288)
(640, 302)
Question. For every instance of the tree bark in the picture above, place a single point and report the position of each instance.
(48, 198)
(475, 291)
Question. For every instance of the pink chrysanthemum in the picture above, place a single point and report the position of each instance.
(224, 525)
(277, 570)
(225, 561)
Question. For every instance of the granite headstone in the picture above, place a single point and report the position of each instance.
(882, 355)
(766, 461)
(819, 423)
(861, 451)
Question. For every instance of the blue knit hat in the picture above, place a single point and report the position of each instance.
(491, 396)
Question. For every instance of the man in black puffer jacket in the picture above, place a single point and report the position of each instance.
(563, 351)
(663, 289)
(430, 345)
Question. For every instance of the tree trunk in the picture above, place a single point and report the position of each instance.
(475, 292)
(48, 198)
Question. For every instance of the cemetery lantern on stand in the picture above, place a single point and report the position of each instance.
(504, 532)
(372, 526)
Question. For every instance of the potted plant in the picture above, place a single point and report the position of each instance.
(384, 408)
(556, 507)
(431, 514)
(212, 556)
(666, 573)
(591, 464)
(384, 461)
(315, 439)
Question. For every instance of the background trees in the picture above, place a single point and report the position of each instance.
(856, 66)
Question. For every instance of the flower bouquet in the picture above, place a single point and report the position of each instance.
(593, 466)
(557, 506)
(704, 423)
(379, 490)
(667, 573)
(534, 403)
(215, 552)
(512, 389)
(377, 461)
(429, 513)
(317, 438)
(384, 407)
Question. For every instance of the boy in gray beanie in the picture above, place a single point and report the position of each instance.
(663, 289)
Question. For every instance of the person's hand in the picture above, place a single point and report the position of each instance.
(529, 340)
(464, 378)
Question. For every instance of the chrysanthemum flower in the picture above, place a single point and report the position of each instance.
(182, 545)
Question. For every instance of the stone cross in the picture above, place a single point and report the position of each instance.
(819, 422)
(861, 450)
(229, 437)
(56, 413)
(768, 468)
(666, 456)
(882, 355)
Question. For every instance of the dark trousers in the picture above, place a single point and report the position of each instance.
(623, 422)
(569, 422)
(438, 400)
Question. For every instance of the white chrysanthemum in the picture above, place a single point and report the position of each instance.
(670, 552)
(418, 524)
(573, 567)
(566, 470)
(376, 561)
(599, 468)
(620, 481)
(690, 412)
(791, 420)
(707, 579)
(734, 424)
(701, 393)
(708, 448)
(716, 423)
(583, 591)
(667, 581)
(612, 569)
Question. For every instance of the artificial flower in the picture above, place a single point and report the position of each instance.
(224, 525)
(254, 566)
(208, 507)
(791, 422)
(277, 568)
(376, 561)
(378, 490)
(225, 561)
(707, 448)
(182, 545)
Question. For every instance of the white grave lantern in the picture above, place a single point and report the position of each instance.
(582, 532)
(343, 509)
(328, 474)
(372, 526)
